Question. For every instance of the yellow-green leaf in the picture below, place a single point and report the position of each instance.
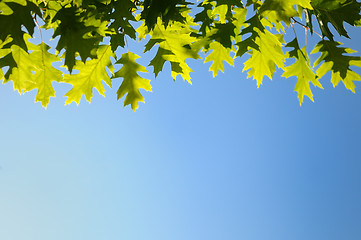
(21, 75)
(263, 61)
(174, 46)
(45, 74)
(132, 82)
(333, 58)
(217, 56)
(91, 74)
(302, 70)
(1, 75)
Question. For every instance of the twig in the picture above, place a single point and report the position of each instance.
(303, 25)
(37, 24)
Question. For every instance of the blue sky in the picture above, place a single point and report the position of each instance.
(219, 159)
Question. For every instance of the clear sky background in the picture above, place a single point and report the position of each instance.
(219, 159)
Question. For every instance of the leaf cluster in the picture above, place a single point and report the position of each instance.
(89, 35)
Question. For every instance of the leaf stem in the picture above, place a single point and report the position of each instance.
(37, 24)
(303, 25)
(126, 42)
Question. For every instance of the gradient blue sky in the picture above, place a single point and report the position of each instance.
(219, 159)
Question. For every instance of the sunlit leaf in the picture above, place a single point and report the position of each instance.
(335, 59)
(263, 61)
(91, 74)
(217, 56)
(302, 70)
(132, 82)
(45, 74)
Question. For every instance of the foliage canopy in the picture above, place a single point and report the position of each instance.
(88, 33)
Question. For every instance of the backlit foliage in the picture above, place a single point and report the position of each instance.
(90, 34)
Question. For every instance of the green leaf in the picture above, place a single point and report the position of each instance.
(90, 76)
(159, 59)
(333, 59)
(255, 26)
(1, 75)
(263, 61)
(302, 70)
(50, 10)
(5, 48)
(132, 82)
(22, 66)
(217, 56)
(336, 12)
(79, 33)
(12, 25)
(283, 8)
(5, 9)
(239, 19)
(119, 17)
(205, 17)
(6, 59)
(174, 31)
(45, 74)
(174, 46)
(171, 10)
(224, 34)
